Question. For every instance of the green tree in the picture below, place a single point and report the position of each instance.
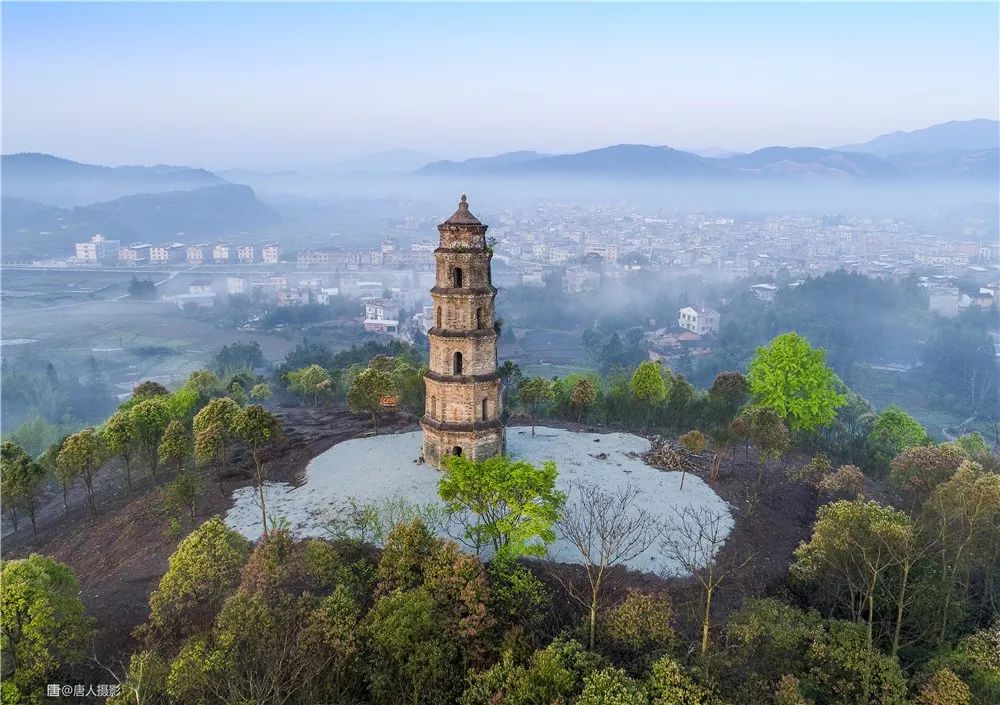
(944, 687)
(961, 518)
(766, 429)
(176, 446)
(648, 387)
(694, 442)
(149, 419)
(64, 474)
(729, 391)
(554, 674)
(366, 392)
(668, 684)
(845, 670)
(976, 449)
(792, 378)
(535, 393)
(119, 438)
(583, 396)
(82, 455)
(919, 469)
(206, 384)
(259, 431)
(213, 435)
(310, 382)
(42, 622)
(976, 659)
(181, 495)
(680, 396)
(768, 639)
(507, 504)
(260, 391)
(21, 481)
(148, 389)
(411, 659)
(640, 626)
(893, 432)
(854, 548)
(183, 404)
(145, 681)
(847, 481)
(612, 686)
(200, 575)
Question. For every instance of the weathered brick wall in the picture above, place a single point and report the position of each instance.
(461, 403)
(458, 312)
(475, 266)
(477, 446)
(478, 354)
(463, 236)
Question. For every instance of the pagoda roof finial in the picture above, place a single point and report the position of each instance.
(462, 216)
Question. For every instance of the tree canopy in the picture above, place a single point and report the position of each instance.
(506, 504)
(792, 378)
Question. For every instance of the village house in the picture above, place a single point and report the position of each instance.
(701, 320)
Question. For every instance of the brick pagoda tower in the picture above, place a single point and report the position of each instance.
(462, 410)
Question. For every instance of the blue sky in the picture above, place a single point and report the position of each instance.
(265, 85)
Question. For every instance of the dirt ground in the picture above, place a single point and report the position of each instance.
(120, 555)
(772, 519)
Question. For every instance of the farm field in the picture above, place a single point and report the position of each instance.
(70, 315)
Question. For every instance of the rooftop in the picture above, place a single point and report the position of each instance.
(462, 216)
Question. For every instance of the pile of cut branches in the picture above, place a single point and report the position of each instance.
(666, 455)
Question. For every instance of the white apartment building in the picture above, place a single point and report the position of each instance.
(703, 321)
(245, 254)
(195, 254)
(98, 249)
(269, 254)
(163, 254)
(220, 253)
(313, 258)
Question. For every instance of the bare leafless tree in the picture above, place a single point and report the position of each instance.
(693, 538)
(607, 529)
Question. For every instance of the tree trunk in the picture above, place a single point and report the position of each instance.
(593, 624)
(706, 621)
(128, 471)
(89, 484)
(65, 500)
(260, 489)
(871, 611)
(899, 608)
(34, 530)
(375, 422)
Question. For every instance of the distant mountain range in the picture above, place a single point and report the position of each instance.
(61, 182)
(957, 150)
(50, 202)
(954, 136)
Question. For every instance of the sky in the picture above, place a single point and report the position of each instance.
(298, 85)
